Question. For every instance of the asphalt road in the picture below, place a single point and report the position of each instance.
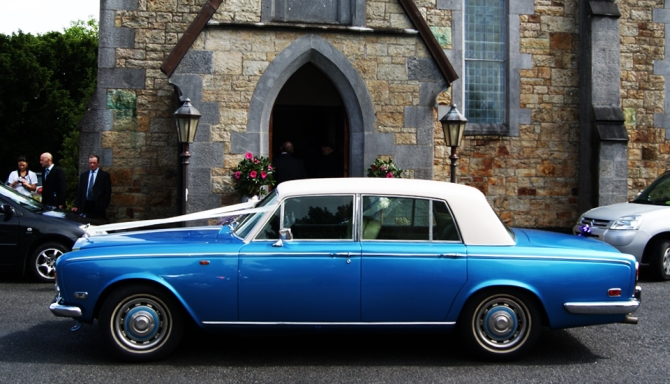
(36, 347)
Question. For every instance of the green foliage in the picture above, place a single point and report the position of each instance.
(251, 174)
(45, 86)
(384, 168)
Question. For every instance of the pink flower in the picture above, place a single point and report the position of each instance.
(256, 161)
(270, 168)
(389, 175)
(252, 174)
(249, 156)
(263, 174)
(238, 174)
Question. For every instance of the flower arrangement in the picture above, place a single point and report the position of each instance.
(251, 174)
(384, 168)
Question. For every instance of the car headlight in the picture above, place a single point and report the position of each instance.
(627, 222)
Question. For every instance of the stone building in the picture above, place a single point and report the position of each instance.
(566, 100)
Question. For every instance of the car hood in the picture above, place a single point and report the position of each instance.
(615, 211)
(162, 237)
(546, 239)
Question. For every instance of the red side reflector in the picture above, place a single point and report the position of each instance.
(204, 262)
(614, 292)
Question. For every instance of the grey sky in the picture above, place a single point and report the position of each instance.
(41, 16)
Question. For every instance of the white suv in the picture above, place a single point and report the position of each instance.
(641, 227)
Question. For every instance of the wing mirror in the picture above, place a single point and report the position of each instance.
(284, 234)
(7, 209)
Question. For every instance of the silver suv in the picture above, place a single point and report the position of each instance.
(641, 227)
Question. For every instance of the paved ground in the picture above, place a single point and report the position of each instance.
(36, 347)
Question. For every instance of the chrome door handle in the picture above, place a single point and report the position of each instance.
(340, 254)
(450, 255)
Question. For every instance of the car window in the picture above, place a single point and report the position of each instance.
(395, 218)
(22, 200)
(657, 193)
(249, 221)
(313, 218)
(404, 218)
(444, 226)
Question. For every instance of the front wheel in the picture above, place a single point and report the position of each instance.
(43, 259)
(141, 323)
(500, 326)
(660, 260)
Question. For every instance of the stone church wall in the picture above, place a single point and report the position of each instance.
(531, 179)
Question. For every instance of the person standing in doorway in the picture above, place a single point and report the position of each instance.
(94, 192)
(286, 166)
(53, 182)
(23, 180)
(331, 162)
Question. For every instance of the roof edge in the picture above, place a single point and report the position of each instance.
(199, 23)
(429, 39)
(209, 8)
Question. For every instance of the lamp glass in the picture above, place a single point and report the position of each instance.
(453, 125)
(186, 119)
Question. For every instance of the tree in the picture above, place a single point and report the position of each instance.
(44, 90)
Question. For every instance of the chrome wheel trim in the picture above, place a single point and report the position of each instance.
(141, 323)
(45, 261)
(501, 323)
(666, 262)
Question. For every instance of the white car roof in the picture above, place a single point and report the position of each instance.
(478, 223)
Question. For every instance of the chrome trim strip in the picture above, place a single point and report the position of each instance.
(64, 310)
(553, 258)
(155, 255)
(437, 255)
(374, 323)
(603, 307)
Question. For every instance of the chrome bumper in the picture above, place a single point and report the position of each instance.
(63, 310)
(607, 307)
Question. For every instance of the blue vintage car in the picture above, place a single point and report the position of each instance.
(346, 253)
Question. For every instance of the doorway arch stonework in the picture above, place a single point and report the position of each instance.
(365, 143)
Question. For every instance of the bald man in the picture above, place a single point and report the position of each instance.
(53, 182)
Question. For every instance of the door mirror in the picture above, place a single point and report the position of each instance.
(7, 210)
(285, 234)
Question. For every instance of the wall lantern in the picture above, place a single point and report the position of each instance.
(186, 119)
(453, 125)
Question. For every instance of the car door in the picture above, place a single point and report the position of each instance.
(10, 234)
(315, 277)
(413, 262)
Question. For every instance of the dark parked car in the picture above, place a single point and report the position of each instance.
(32, 237)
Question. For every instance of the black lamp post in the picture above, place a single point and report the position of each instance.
(186, 118)
(453, 125)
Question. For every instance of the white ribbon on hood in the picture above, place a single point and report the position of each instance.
(231, 210)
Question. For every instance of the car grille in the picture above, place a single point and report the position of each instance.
(594, 222)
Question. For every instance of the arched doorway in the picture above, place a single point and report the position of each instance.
(309, 112)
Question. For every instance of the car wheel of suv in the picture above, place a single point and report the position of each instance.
(141, 323)
(43, 260)
(500, 326)
(660, 260)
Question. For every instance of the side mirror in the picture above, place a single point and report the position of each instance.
(7, 209)
(284, 234)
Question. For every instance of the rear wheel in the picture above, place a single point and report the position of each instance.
(660, 260)
(141, 323)
(500, 326)
(43, 260)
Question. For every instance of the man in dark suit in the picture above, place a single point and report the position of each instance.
(286, 166)
(53, 182)
(94, 192)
